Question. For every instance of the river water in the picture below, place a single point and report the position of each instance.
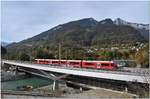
(32, 81)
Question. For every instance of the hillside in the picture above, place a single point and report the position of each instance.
(4, 43)
(142, 28)
(85, 32)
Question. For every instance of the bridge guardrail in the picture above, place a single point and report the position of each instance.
(142, 77)
(83, 69)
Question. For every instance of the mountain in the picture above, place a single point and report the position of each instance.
(119, 21)
(4, 44)
(82, 33)
(107, 21)
(142, 28)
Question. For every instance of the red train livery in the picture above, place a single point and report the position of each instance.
(110, 65)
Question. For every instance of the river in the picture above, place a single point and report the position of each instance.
(32, 81)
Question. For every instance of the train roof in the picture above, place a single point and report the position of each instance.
(51, 59)
(96, 61)
(76, 60)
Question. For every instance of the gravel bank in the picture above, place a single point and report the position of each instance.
(7, 76)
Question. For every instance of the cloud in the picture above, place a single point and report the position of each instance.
(21, 20)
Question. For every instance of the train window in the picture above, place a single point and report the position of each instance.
(98, 64)
(63, 62)
(74, 63)
(112, 64)
(55, 62)
(89, 63)
(104, 64)
(41, 61)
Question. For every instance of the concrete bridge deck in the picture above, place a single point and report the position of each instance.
(114, 75)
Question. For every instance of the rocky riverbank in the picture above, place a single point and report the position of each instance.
(8, 76)
(91, 94)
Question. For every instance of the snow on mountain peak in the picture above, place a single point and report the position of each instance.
(119, 21)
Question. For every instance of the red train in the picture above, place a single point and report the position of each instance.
(109, 65)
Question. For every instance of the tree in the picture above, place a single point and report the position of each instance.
(24, 57)
(3, 50)
(142, 58)
(43, 54)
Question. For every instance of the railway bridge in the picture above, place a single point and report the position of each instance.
(139, 77)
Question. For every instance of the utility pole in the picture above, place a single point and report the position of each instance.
(59, 52)
(66, 54)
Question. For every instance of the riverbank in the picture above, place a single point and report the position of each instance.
(91, 94)
(9, 76)
(65, 92)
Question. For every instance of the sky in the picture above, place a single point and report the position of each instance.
(25, 19)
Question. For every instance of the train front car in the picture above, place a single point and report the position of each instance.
(107, 65)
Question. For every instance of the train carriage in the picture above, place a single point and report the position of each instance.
(47, 61)
(63, 62)
(74, 63)
(55, 62)
(41, 61)
(89, 64)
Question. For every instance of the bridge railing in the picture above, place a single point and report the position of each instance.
(84, 69)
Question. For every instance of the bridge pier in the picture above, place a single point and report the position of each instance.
(126, 89)
(16, 70)
(81, 89)
(54, 78)
(13, 69)
(5, 67)
(55, 85)
(2, 63)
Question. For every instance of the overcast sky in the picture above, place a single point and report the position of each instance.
(21, 20)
